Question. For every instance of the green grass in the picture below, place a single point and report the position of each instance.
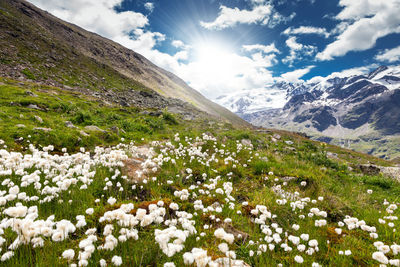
(344, 190)
(58, 106)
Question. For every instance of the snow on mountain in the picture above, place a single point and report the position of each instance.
(250, 101)
(359, 109)
(330, 88)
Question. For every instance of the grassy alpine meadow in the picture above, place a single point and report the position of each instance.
(162, 191)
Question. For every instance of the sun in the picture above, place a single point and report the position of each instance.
(214, 59)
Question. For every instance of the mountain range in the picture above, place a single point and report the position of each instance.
(361, 112)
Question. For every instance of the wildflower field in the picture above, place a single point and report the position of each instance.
(186, 193)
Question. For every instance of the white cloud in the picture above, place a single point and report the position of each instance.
(261, 60)
(257, 2)
(306, 30)
(95, 15)
(217, 72)
(229, 17)
(345, 73)
(178, 43)
(368, 21)
(181, 55)
(278, 18)
(259, 47)
(297, 50)
(389, 55)
(142, 41)
(149, 6)
(260, 13)
(294, 76)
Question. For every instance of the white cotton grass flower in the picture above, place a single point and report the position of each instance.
(188, 258)
(111, 201)
(223, 247)
(68, 254)
(6, 256)
(116, 260)
(174, 206)
(296, 227)
(298, 259)
(380, 257)
(313, 243)
(221, 234)
(169, 264)
(305, 237)
(89, 211)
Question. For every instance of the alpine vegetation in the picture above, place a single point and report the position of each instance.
(187, 203)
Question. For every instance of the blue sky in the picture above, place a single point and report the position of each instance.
(226, 46)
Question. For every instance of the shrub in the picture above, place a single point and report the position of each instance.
(83, 117)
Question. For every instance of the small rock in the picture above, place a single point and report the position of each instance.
(31, 93)
(349, 168)
(43, 129)
(369, 169)
(123, 103)
(83, 133)
(331, 155)
(144, 152)
(94, 128)
(115, 130)
(33, 106)
(70, 125)
(391, 172)
(20, 126)
(39, 119)
(277, 136)
(246, 142)
(288, 142)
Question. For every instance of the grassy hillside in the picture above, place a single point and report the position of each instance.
(161, 189)
(37, 46)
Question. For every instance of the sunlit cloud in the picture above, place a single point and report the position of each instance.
(149, 6)
(294, 76)
(389, 55)
(306, 30)
(261, 13)
(368, 21)
(263, 48)
(297, 51)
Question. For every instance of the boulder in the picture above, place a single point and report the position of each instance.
(43, 129)
(94, 128)
(246, 142)
(70, 125)
(39, 119)
(115, 130)
(369, 169)
(33, 106)
(83, 133)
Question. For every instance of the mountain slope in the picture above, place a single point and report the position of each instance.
(41, 47)
(158, 190)
(360, 112)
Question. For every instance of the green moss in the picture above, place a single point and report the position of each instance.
(28, 74)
